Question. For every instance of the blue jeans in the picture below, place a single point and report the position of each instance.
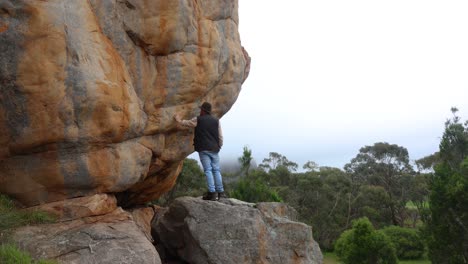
(210, 163)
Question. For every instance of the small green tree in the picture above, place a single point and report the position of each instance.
(363, 245)
(245, 160)
(407, 241)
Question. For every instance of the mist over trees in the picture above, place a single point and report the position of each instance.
(416, 205)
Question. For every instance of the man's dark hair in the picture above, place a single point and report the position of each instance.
(206, 107)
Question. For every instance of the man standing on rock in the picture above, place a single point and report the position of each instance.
(208, 141)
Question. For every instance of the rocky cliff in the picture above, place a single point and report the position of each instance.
(89, 89)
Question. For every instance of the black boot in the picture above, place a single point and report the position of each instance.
(210, 196)
(222, 195)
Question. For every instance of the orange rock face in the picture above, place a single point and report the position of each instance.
(88, 91)
(90, 229)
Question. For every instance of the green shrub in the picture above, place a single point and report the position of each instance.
(254, 191)
(364, 245)
(407, 241)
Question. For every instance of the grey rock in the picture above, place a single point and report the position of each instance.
(234, 232)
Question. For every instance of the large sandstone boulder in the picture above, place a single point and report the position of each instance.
(90, 230)
(231, 231)
(88, 90)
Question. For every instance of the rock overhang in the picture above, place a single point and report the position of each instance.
(89, 89)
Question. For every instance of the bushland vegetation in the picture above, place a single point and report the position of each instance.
(408, 208)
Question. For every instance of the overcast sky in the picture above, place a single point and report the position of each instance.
(331, 76)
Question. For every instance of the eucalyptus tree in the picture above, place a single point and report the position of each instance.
(311, 166)
(386, 165)
(275, 160)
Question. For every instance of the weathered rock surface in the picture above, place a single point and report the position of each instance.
(71, 209)
(88, 90)
(143, 218)
(234, 232)
(90, 230)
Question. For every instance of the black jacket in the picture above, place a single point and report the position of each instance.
(207, 134)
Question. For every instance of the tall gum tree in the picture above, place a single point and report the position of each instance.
(386, 165)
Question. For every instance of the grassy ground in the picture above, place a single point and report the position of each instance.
(11, 217)
(11, 254)
(330, 258)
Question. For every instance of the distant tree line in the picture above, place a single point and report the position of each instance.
(410, 207)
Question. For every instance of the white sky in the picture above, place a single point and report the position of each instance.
(331, 76)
